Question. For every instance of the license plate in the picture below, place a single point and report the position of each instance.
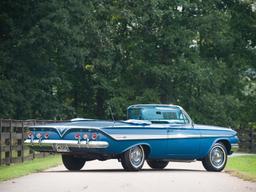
(61, 148)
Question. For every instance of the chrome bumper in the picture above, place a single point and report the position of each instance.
(234, 147)
(68, 143)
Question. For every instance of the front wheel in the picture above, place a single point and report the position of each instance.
(157, 164)
(133, 159)
(216, 159)
(73, 163)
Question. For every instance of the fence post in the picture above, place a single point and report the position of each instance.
(10, 151)
(22, 141)
(34, 153)
(0, 141)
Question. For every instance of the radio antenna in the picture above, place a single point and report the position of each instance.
(111, 112)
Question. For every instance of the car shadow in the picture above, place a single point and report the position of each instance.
(123, 171)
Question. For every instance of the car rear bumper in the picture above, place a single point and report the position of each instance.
(64, 145)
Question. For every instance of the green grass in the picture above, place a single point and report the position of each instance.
(36, 165)
(243, 167)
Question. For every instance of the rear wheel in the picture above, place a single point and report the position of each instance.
(73, 163)
(133, 159)
(216, 159)
(157, 164)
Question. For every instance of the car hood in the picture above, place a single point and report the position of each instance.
(211, 127)
(214, 128)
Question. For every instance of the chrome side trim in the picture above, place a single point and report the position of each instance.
(136, 137)
(183, 136)
(234, 147)
(80, 119)
(69, 143)
(170, 136)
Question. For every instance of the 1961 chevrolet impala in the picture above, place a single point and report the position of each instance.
(153, 132)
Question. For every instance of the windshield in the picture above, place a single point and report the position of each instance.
(158, 114)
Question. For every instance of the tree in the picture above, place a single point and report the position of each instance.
(61, 59)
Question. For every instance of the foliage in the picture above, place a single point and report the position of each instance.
(243, 166)
(36, 165)
(60, 59)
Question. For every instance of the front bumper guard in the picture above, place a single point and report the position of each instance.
(68, 143)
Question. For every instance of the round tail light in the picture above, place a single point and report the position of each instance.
(85, 136)
(46, 135)
(29, 134)
(77, 136)
(38, 135)
(94, 136)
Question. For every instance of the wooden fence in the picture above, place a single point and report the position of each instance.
(13, 150)
(247, 137)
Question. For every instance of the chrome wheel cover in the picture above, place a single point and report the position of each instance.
(218, 157)
(136, 156)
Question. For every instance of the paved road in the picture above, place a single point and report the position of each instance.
(108, 176)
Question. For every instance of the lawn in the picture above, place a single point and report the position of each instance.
(36, 165)
(243, 167)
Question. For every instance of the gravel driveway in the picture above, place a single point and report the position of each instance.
(109, 176)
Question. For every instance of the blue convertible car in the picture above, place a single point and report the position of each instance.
(154, 133)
